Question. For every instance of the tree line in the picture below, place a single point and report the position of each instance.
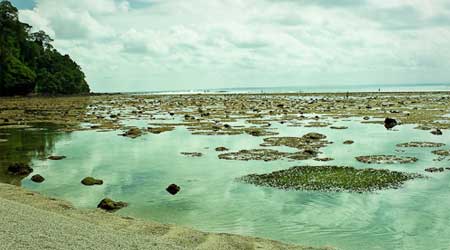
(29, 64)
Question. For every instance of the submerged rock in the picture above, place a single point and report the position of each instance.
(159, 130)
(221, 149)
(133, 133)
(385, 159)
(348, 142)
(416, 144)
(192, 154)
(330, 178)
(20, 169)
(173, 189)
(56, 157)
(339, 127)
(390, 123)
(110, 205)
(434, 169)
(37, 178)
(90, 181)
(436, 132)
(441, 152)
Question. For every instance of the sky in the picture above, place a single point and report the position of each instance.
(157, 45)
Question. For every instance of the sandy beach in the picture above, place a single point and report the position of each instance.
(32, 221)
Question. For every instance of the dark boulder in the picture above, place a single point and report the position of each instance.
(390, 123)
(221, 149)
(20, 169)
(348, 142)
(110, 205)
(173, 189)
(434, 169)
(436, 132)
(56, 157)
(37, 178)
(89, 181)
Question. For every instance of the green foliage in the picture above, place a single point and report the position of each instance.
(30, 64)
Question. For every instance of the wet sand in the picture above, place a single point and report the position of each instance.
(31, 221)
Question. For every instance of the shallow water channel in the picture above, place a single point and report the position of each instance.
(415, 216)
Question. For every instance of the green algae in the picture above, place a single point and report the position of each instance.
(330, 178)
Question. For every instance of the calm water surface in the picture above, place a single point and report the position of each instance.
(416, 216)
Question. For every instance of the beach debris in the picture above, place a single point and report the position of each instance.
(221, 149)
(416, 144)
(20, 169)
(37, 178)
(90, 181)
(436, 132)
(389, 123)
(133, 133)
(173, 189)
(434, 169)
(330, 179)
(385, 159)
(110, 205)
(56, 157)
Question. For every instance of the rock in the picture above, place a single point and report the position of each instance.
(348, 142)
(192, 154)
(133, 133)
(314, 136)
(390, 123)
(56, 157)
(20, 169)
(339, 127)
(37, 178)
(221, 149)
(366, 118)
(434, 169)
(90, 181)
(110, 205)
(173, 189)
(436, 132)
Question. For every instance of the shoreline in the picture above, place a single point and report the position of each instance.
(33, 221)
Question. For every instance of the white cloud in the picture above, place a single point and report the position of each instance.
(153, 45)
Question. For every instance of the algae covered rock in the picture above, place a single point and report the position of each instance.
(133, 133)
(37, 178)
(90, 181)
(254, 154)
(20, 169)
(173, 189)
(416, 144)
(330, 178)
(110, 205)
(385, 159)
(192, 154)
(221, 149)
(348, 142)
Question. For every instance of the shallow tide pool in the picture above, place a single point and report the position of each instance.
(415, 216)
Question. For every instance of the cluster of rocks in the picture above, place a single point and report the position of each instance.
(385, 159)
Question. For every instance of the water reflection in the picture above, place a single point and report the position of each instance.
(24, 145)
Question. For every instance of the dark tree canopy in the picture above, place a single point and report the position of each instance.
(29, 63)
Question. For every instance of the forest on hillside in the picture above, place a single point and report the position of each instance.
(29, 64)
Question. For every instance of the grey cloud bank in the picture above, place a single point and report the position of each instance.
(164, 45)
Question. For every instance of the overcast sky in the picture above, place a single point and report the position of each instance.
(139, 45)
